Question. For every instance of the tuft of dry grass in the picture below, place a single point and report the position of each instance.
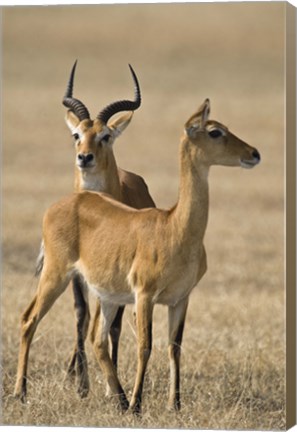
(233, 354)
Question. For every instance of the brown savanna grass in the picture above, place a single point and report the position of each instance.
(233, 355)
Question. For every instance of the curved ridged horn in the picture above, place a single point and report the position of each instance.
(122, 105)
(74, 104)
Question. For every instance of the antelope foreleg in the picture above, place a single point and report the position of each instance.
(115, 332)
(104, 319)
(176, 315)
(144, 317)
(79, 359)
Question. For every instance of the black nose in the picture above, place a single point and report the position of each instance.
(256, 155)
(84, 159)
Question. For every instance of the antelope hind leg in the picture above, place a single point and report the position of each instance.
(49, 289)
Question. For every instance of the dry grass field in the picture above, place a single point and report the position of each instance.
(233, 355)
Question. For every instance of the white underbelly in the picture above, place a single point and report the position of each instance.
(119, 298)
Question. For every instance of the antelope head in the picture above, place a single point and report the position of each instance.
(94, 138)
(213, 144)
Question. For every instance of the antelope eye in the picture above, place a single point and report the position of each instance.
(215, 133)
(105, 138)
(75, 136)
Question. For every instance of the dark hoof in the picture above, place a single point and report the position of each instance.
(124, 403)
(136, 410)
(83, 390)
(21, 397)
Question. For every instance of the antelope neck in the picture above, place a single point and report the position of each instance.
(105, 181)
(191, 211)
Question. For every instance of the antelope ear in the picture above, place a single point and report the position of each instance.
(198, 120)
(120, 123)
(72, 120)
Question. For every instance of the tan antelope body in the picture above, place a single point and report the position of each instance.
(148, 256)
(96, 170)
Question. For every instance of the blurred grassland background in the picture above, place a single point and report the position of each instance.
(233, 355)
